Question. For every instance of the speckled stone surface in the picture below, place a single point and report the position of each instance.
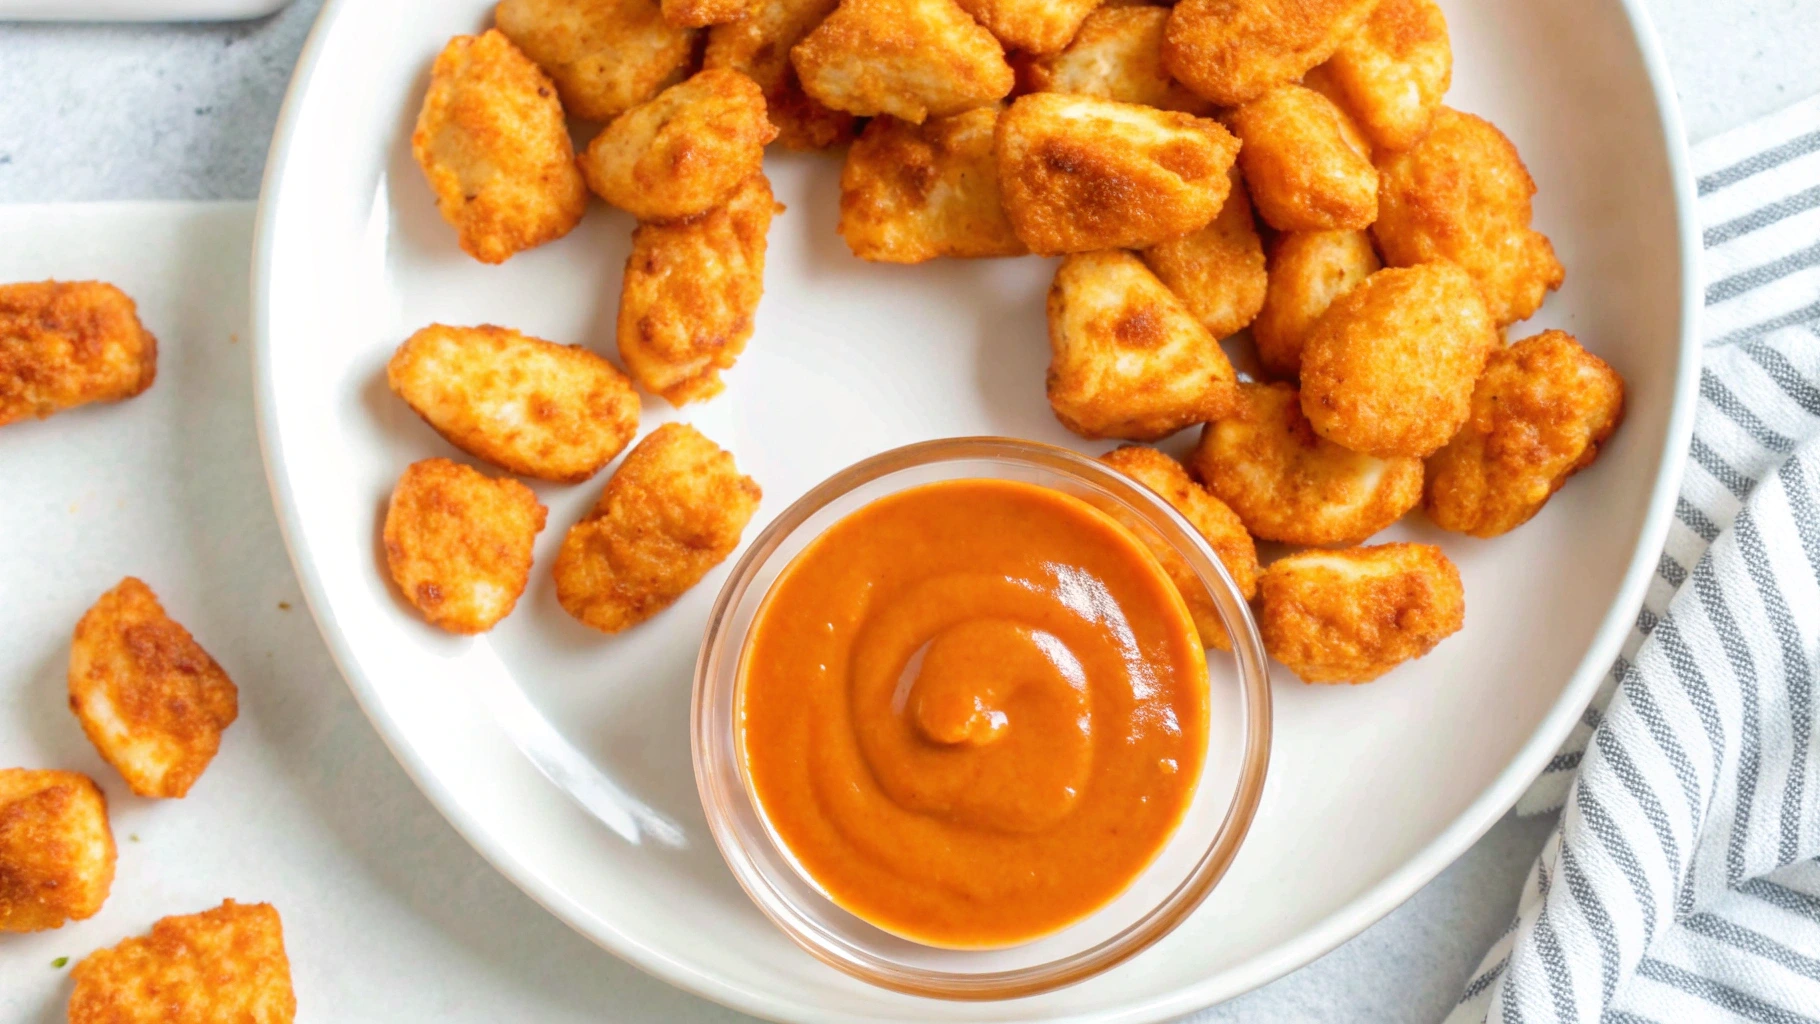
(186, 112)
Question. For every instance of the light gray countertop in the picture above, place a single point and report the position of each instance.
(93, 112)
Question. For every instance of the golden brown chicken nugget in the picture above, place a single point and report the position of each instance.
(1350, 616)
(702, 13)
(1127, 358)
(690, 292)
(149, 697)
(458, 543)
(1306, 164)
(1079, 173)
(683, 153)
(1308, 270)
(1540, 413)
(1463, 194)
(913, 192)
(533, 407)
(673, 510)
(1218, 271)
(1033, 26)
(1116, 55)
(606, 56)
(911, 59)
(1392, 74)
(56, 849)
(1233, 51)
(495, 149)
(1388, 370)
(68, 343)
(220, 966)
(1290, 484)
(759, 46)
(1216, 523)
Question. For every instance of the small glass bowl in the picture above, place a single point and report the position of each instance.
(1159, 899)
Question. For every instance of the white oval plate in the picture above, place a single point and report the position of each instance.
(1373, 789)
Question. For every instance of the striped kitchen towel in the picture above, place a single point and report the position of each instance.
(1681, 881)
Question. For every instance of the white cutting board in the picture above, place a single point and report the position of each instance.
(136, 10)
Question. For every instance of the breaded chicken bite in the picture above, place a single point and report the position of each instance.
(1116, 55)
(913, 192)
(1127, 358)
(1540, 413)
(533, 407)
(1216, 523)
(690, 292)
(1388, 370)
(1463, 194)
(495, 149)
(701, 13)
(683, 153)
(758, 45)
(1033, 26)
(222, 965)
(673, 511)
(69, 343)
(1392, 74)
(458, 544)
(912, 59)
(1350, 616)
(1289, 484)
(606, 56)
(1218, 271)
(149, 697)
(1305, 162)
(1308, 270)
(56, 849)
(1079, 173)
(1233, 51)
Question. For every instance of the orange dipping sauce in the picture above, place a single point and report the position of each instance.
(974, 711)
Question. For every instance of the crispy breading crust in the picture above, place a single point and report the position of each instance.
(1233, 51)
(1127, 359)
(1289, 484)
(149, 697)
(458, 543)
(1463, 194)
(684, 152)
(673, 511)
(702, 13)
(910, 193)
(1540, 413)
(606, 56)
(1218, 271)
(495, 149)
(1079, 173)
(1308, 270)
(68, 343)
(225, 964)
(1393, 73)
(912, 59)
(690, 292)
(1389, 369)
(533, 407)
(759, 45)
(1305, 162)
(56, 849)
(1209, 515)
(1116, 55)
(1033, 26)
(1350, 616)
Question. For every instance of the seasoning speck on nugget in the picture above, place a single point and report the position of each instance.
(1308, 271)
(222, 965)
(56, 849)
(911, 59)
(1218, 271)
(1308, 167)
(1351, 616)
(1233, 51)
(700, 13)
(68, 343)
(536, 408)
(673, 511)
(149, 697)
(684, 152)
(1540, 413)
(910, 193)
(1033, 26)
(1116, 55)
(604, 55)
(690, 292)
(458, 544)
(1392, 74)
(1079, 173)
(495, 149)
(759, 46)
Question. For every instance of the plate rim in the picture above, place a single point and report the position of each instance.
(1347, 921)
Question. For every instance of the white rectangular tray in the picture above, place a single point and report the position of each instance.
(136, 10)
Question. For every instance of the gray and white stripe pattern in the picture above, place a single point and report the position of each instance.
(1680, 883)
